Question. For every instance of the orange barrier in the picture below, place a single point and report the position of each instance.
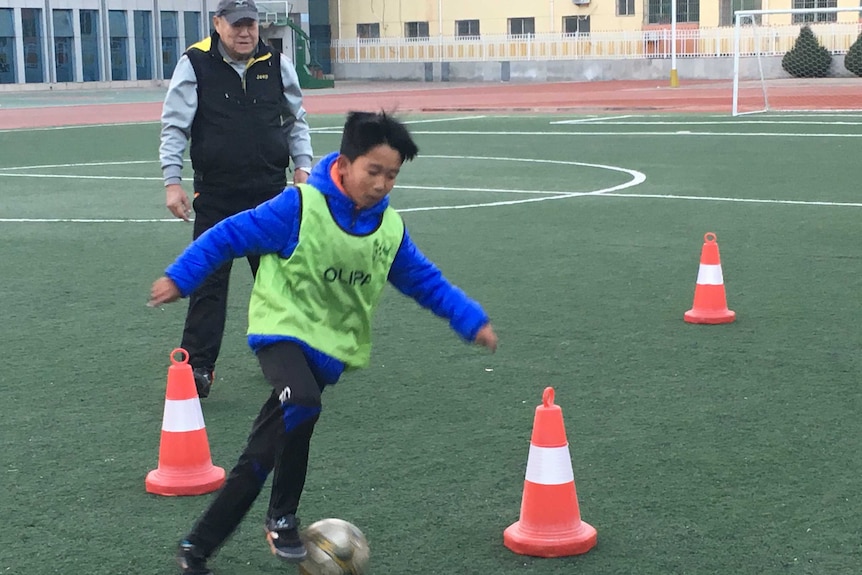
(185, 464)
(550, 523)
(710, 300)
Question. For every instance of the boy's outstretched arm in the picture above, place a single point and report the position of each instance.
(272, 227)
(417, 277)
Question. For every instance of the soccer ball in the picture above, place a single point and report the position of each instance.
(335, 547)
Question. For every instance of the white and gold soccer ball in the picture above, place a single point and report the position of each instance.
(335, 547)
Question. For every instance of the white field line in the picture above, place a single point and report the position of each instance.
(635, 178)
(80, 177)
(613, 122)
(602, 119)
(622, 133)
(80, 165)
(76, 127)
(328, 129)
(737, 200)
(87, 220)
(545, 195)
(556, 195)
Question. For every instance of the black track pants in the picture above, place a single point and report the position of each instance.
(205, 319)
(279, 442)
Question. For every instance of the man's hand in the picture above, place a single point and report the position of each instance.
(178, 201)
(299, 176)
(164, 291)
(487, 338)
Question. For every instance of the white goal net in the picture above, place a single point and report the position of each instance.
(802, 60)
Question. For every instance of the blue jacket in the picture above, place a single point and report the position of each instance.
(273, 227)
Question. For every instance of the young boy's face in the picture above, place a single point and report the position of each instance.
(368, 178)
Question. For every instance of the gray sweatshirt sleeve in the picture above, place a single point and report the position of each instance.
(295, 128)
(178, 112)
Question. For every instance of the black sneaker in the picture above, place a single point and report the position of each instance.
(192, 560)
(283, 538)
(204, 378)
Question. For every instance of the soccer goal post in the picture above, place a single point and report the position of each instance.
(797, 60)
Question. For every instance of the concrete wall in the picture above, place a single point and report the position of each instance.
(569, 70)
(72, 86)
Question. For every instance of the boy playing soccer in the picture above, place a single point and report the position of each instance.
(327, 249)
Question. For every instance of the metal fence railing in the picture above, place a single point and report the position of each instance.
(837, 37)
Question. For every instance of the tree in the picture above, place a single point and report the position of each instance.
(807, 58)
(853, 58)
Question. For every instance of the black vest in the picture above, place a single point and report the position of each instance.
(238, 147)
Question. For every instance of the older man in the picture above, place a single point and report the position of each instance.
(240, 104)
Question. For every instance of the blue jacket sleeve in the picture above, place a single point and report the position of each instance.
(272, 227)
(417, 277)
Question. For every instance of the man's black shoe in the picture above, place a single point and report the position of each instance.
(204, 378)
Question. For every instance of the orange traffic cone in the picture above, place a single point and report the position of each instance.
(185, 464)
(710, 301)
(550, 524)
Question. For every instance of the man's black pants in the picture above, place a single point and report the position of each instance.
(279, 442)
(205, 320)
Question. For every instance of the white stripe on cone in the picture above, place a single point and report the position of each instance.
(183, 415)
(709, 274)
(549, 465)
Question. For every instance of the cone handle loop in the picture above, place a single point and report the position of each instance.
(548, 397)
(709, 237)
(185, 356)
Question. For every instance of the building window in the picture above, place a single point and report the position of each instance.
(729, 7)
(119, 31)
(7, 46)
(625, 7)
(467, 28)
(573, 25)
(7, 58)
(659, 11)
(416, 30)
(143, 44)
(8, 64)
(90, 45)
(522, 26)
(64, 45)
(815, 17)
(170, 42)
(31, 26)
(191, 27)
(368, 31)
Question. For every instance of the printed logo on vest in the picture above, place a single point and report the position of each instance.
(262, 76)
(381, 251)
(350, 278)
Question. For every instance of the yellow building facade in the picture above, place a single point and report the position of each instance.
(452, 18)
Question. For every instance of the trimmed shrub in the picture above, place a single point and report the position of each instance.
(853, 58)
(807, 58)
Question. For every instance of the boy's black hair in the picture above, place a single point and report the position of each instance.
(366, 130)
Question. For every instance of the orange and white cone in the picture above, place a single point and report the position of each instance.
(550, 523)
(710, 300)
(185, 464)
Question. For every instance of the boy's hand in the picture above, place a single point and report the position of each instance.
(487, 338)
(164, 290)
